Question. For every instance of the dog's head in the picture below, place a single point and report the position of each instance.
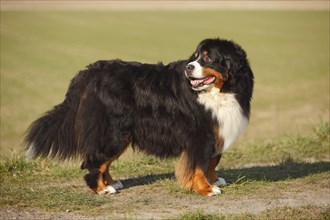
(213, 62)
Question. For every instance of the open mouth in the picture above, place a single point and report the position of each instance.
(199, 82)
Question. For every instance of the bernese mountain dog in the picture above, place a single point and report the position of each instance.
(193, 108)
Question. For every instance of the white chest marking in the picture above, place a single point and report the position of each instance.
(227, 111)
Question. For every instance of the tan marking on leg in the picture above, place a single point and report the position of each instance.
(107, 179)
(101, 186)
(200, 183)
(183, 174)
(194, 179)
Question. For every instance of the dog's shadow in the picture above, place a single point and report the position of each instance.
(286, 170)
(145, 180)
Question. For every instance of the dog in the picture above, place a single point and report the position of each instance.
(194, 108)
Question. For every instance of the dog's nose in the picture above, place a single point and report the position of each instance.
(189, 68)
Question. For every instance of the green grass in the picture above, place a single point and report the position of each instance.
(278, 213)
(288, 50)
(54, 186)
(315, 146)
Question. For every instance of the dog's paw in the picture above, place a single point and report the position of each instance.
(220, 182)
(111, 189)
(107, 190)
(114, 187)
(215, 191)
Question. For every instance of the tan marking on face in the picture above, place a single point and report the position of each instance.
(218, 81)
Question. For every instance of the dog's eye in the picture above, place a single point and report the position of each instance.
(207, 59)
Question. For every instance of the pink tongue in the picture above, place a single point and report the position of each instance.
(205, 81)
(196, 82)
(209, 80)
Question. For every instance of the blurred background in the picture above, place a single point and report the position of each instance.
(44, 44)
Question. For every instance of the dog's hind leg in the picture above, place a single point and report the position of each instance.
(94, 179)
(99, 178)
(112, 185)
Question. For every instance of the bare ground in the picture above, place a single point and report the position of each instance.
(150, 197)
(156, 205)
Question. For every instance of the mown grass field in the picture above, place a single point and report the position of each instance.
(288, 51)
(282, 183)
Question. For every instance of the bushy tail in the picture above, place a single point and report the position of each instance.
(54, 133)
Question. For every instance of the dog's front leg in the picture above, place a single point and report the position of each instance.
(201, 184)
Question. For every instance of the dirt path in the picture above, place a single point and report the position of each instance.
(155, 209)
(155, 202)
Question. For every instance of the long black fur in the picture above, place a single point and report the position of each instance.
(150, 105)
(111, 101)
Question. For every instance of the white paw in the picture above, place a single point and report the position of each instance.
(220, 182)
(114, 187)
(111, 189)
(215, 191)
(107, 190)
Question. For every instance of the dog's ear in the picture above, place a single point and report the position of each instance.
(193, 56)
(227, 63)
(232, 64)
(234, 60)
